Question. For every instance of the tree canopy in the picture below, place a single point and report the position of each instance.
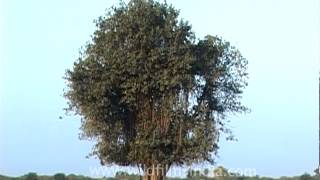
(149, 92)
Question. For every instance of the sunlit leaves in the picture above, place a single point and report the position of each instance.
(149, 92)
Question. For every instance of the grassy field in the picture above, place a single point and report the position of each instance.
(61, 176)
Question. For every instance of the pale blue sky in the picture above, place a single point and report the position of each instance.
(280, 39)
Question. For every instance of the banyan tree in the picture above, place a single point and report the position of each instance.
(152, 95)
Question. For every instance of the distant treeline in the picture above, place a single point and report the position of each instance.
(126, 176)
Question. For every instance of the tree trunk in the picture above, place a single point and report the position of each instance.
(155, 172)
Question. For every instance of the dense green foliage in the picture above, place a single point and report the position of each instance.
(60, 176)
(149, 92)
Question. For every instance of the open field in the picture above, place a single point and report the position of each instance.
(61, 176)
